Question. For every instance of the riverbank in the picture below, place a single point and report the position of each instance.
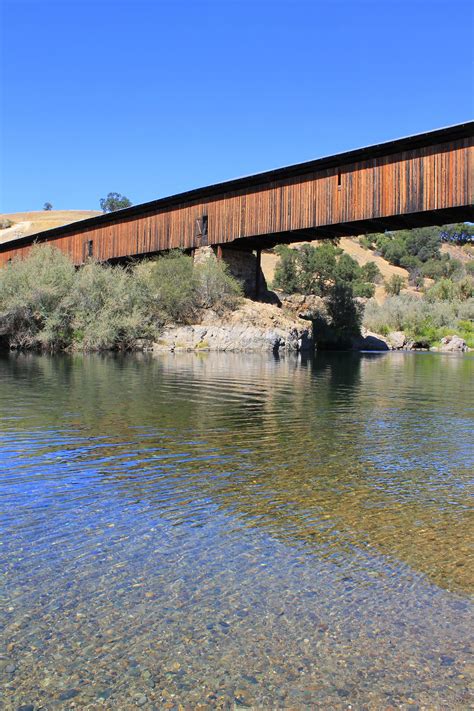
(176, 303)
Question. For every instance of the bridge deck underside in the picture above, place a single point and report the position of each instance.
(348, 229)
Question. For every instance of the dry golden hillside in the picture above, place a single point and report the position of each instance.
(29, 223)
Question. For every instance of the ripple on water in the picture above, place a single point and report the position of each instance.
(235, 531)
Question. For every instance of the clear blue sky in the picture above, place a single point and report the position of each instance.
(149, 98)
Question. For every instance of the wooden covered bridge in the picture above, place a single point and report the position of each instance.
(421, 180)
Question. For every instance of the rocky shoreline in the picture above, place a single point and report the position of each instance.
(261, 327)
(399, 341)
(252, 327)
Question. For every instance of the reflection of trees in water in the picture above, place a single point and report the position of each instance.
(281, 445)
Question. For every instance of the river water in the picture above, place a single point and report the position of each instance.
(231, 531)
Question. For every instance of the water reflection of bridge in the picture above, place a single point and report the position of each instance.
(319, 453)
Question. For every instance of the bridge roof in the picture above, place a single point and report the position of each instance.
(419, 140)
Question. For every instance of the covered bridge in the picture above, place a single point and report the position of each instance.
(420, 180)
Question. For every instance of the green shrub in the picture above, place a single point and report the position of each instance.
(31, 295)
(363, 289)
(108, 309)
(366, 241)
(394, 285)
(421, 319)
(171, 282)
(216, 288)
(370, 272)
(178, 289)
(45, 302)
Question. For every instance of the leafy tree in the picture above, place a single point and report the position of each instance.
(394, 251)
(47, 206)
(363, 289)
(370, 272)
(460, 233)
(317, 266)
(343, 320)
(286, 272)
(347, 269)
(113, 202)
(315, 270)
(423, 242)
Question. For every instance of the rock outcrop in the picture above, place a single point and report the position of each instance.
(253, 327)
(369, 341)
(397, 340)
(303, 306)
(453, 344)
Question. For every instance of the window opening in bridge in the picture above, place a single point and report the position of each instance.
(201, 230)
(88, 249)
(339, 179)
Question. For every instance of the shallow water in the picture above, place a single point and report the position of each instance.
(223, 531)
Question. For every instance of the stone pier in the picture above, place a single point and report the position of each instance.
(243, 265)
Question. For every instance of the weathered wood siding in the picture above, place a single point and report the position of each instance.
(419, 180)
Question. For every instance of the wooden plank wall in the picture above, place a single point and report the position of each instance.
(414, 181)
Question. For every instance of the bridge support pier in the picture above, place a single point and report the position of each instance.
(244, 265)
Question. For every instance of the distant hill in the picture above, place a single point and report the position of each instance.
(29, 223)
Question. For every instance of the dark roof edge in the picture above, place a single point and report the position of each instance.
(419, 140)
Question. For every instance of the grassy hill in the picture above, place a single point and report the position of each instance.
(29, 223)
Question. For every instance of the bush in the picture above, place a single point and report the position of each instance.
(45, 302)
(31, 294)
(370, 272)
(363, 289)
(178, 289)
(422, 320)
(107, 308)
(448, 290)
(366, 241)
(171, 283)
(216, 288)
(394, 285)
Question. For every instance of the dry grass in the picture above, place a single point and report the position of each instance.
(29, 223)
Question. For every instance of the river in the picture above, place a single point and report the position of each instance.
(226, 531)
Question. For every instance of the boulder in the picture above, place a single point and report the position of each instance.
(453, 344)
(369, 341)
(396, 340)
